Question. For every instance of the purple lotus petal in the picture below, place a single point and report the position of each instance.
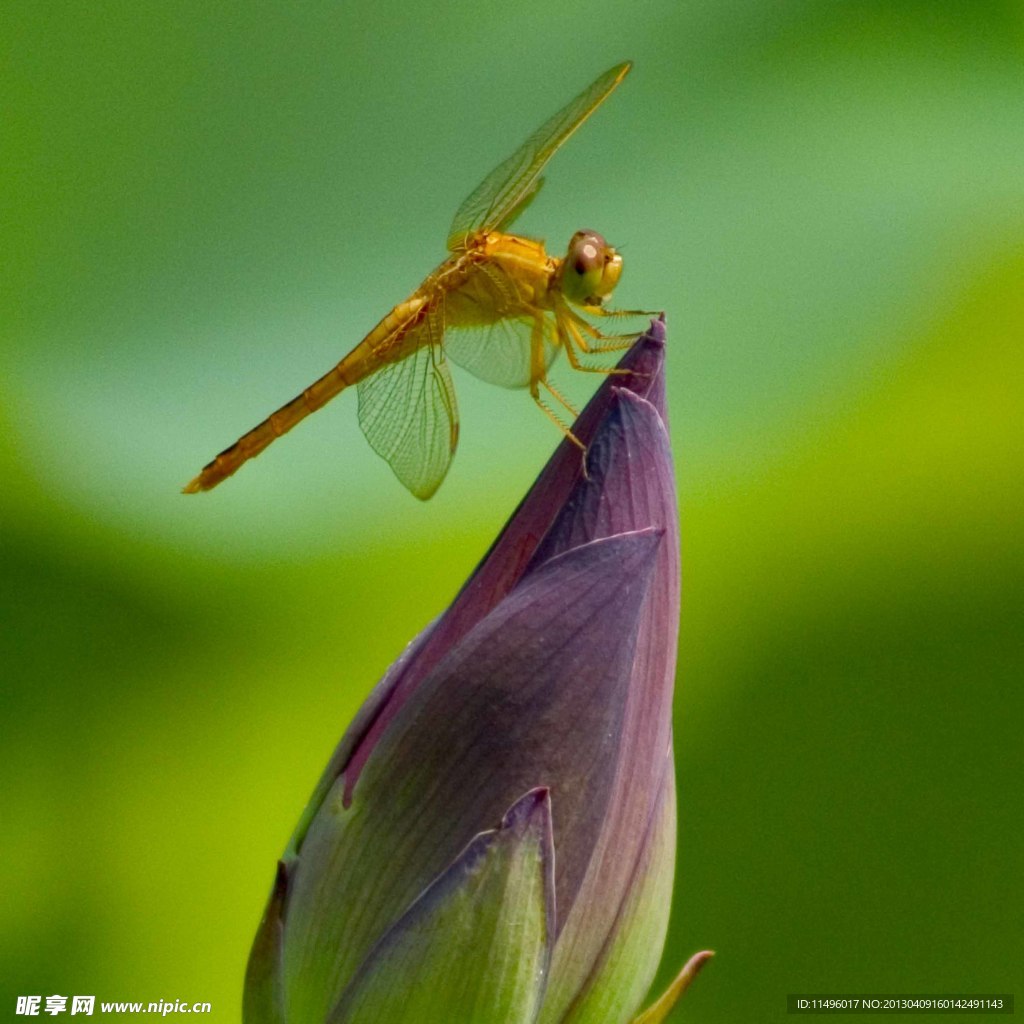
(631, 481)
(534, 695)
(508, 557)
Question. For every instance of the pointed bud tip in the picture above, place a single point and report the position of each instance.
(534, 807)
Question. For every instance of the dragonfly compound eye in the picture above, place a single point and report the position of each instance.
(595, 268)
(587, 252)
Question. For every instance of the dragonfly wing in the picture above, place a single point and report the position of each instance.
(513, 214)
(499, 353)
(509, 187)
(408, 413)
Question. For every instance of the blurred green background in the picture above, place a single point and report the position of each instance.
(206, 205)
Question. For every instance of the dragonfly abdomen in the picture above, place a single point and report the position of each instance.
(381, 346)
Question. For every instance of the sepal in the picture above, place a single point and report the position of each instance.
(656, 1013)
(262, 1001)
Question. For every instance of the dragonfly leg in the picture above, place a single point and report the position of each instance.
(570, 336)
(552, 415)
(559, 397)
(603, 311)
(538, 379)
(600, 342)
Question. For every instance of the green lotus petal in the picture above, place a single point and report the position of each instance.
(629, 959)
(263, 1001)
(475, 947)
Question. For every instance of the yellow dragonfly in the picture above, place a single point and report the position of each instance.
(499, 306)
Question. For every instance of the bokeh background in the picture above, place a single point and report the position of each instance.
(205, 205)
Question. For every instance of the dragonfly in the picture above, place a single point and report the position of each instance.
(499, 306)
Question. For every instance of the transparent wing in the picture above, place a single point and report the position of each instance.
(408, 413)
(507, 189)
(499, 353)
(513, 212)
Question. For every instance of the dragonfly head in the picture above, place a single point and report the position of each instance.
(590, 270)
